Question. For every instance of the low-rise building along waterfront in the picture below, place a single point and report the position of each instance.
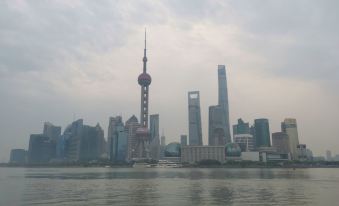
(194, 154)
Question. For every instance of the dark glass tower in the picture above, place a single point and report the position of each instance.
(262, 133)
(241, 127)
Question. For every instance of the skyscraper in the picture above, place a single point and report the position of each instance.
(162, 145)
(142, 132)
(72, 135)
(183, 140)
(83, 142)
(51, 131)
(54, 134)
(131, 126)
(117, 139)
(154, 127)
(41, 149)
(241, 127)
(280, 141)
(154, 137)
(262, 133)
(91, 143)
(216, 128)
(18, 156)
(194, 119)
(163, 140)
(289, 126)
(218, 118)
(223, 101)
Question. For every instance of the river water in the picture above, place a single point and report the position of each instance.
(162, 186)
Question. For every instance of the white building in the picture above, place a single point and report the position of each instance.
(193, 154)
(250, 156)
(245, 141)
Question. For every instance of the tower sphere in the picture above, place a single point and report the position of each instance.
(144, 79)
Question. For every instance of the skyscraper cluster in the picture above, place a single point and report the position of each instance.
(127, 141)
(134, 140)
(218, 122)
(256, 137)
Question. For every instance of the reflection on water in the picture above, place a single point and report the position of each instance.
(128, 186)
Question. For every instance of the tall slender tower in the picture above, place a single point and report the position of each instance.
(142, 132)
(223, 101)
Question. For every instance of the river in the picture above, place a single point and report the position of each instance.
(168, 186)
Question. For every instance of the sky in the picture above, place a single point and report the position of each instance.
(63, 60)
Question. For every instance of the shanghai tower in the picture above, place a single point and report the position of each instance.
(223, 102)
(142, 132)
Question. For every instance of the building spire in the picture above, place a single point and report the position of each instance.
(145, 58)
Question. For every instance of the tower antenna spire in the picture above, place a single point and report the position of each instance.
(145, 39)
(145, 58)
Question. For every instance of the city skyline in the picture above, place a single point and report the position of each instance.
(97, 80)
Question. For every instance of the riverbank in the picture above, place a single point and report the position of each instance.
(238, 165)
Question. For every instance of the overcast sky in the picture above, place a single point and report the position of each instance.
(63, 59)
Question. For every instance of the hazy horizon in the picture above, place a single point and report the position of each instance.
(60, 59)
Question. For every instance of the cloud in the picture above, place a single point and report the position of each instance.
(59, 58)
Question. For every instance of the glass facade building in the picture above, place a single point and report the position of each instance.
(262, 133)
(241, 127)
(194, 119)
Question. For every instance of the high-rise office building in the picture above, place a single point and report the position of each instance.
(41, 149)
(194, 119)
(163, 140)
(154, 127)
(142, 132)
(51, 131)
(61, 147)
(120, 145)
(117, 139)
(18, 156)
(91, 143)
(183, 140)
(162, 145)
(154, 146)
(280, 141)
(83, 142)
(223, 101)
(72, 136)
(131, 126)
(216, 131)
(289, 126)
(241, 127)
(262, 133)
(54, 134)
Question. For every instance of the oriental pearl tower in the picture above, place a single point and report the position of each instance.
(142, 132)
